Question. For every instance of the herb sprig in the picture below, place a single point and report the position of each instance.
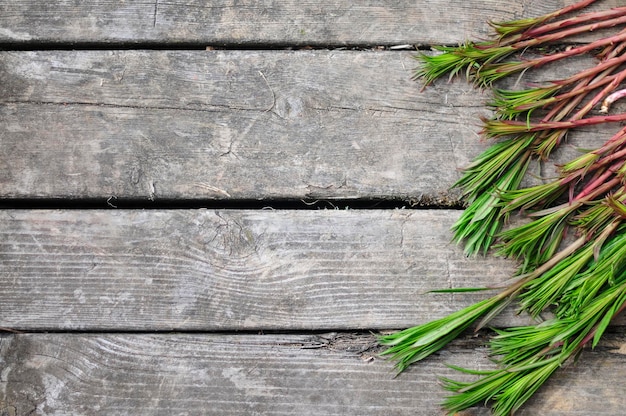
(581, 280)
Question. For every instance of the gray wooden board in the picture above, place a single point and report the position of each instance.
(232, 125)
(324, 374)
(251, 22)
(234, 270)
(236, 125)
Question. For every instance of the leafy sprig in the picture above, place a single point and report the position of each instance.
(583, 281)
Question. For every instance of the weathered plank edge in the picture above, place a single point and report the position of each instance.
(246, 23)
(233, 269)
(269, 374)
(229, 125)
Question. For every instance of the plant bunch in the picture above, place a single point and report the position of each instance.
(572, 246)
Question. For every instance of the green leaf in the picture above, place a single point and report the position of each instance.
(416, 343)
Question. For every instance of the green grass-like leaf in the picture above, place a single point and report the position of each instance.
(488, 168)
(515, 104)
(454, 60)
(547, 289)
(482, 220)
(534, 243)
(529, 355)
(416, 343)
(585, 282)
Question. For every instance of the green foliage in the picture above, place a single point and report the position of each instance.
(516, 104)
(467, 58)
(415, 344)
(481, 221)
(583, 282)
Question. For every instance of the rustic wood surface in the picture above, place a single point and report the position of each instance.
(285, 23)
(239, 311)
(234, 124)
(327, 373)
(233, 270)
(290, 125)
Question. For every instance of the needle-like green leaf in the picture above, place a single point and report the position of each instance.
(583, 282)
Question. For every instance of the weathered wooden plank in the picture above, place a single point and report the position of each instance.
(227, 125)
(233, 270)
(327, 374)
(234, 124)
(251, 22)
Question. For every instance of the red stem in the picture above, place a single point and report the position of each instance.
(580, 89)
(615, 142)
(614, 118)
(612, 157)
(609, 63)
(599, 185)
(617, 79)
(553, 37)
(620, 37)
(593, 16)
(563, 108)
(568, 9)
(518, 66)
(611, 145)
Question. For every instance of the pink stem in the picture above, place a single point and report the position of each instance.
(614, 142)
(611, 99)
(597, 16)
(620, 37)
(562, 109)
(609, 63)
(599, 185)
(612, 157)
(518, 66)
(580, 89)
(571, 8)
(553, 37)
(606, 90)
(562, 124)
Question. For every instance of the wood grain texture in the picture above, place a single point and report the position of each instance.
(268, 22)
(325, 374)
(236, 125)
(233, 270)
(255, 125)
(232, 125)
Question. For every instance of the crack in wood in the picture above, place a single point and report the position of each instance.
(213, 108)
(156, 12)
